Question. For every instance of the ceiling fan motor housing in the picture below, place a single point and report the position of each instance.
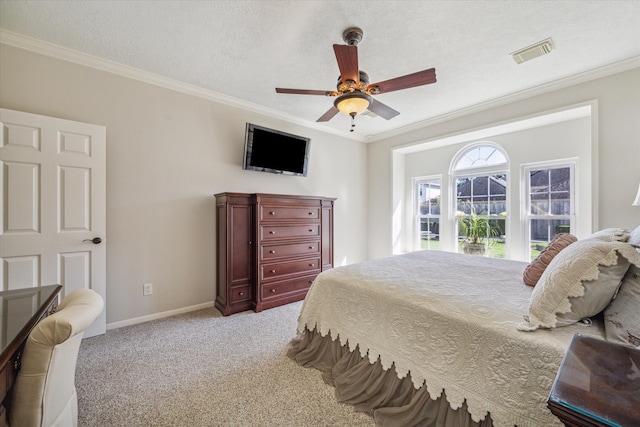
(346, 86)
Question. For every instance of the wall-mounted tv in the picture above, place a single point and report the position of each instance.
(269, 150)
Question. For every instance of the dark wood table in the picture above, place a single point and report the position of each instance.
(598, 384)
(20, 312)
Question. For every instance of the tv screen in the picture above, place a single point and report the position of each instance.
(269, 150)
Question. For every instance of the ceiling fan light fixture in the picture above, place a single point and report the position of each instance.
(352, 104)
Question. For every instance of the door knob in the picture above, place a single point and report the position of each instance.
(95, 240)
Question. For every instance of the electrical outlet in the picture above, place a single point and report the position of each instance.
(147, 289)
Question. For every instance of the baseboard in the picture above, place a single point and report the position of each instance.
(155, 316)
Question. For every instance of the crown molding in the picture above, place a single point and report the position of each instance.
(607, 70)
(49, 49)
(38, 46)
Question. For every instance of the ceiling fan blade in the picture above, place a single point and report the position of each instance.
(347, 57)
(420, 78)
(303, 91)
(328, 115)
(383, 110)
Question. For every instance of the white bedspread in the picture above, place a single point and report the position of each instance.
(450, 320)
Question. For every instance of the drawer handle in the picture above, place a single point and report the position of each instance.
(311, 265)
(241, 293)
(273, 271)
(272, 252)
(272, 232)
(310, 213)
(311, 247)
(273, 291)
(311, 230)
(272, 213)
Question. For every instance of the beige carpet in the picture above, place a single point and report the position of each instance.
(203, 369)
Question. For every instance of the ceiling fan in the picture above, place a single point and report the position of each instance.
(354, 93)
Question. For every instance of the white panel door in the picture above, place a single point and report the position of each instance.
(53, 208)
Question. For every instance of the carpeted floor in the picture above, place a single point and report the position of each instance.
(203, 369)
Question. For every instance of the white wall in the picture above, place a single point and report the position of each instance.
(617, 129)
(565, 140)
(167, 154)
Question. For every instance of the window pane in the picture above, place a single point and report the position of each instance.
(497, 205)
(430, 233)
(561, 203)
(539, 179)
(559, 179)
(480, 156)
(497, 240)
(543, 231)
(484, 195)
(480, 186)
(427, 213)
(540, 207)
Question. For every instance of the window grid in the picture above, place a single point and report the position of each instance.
(550, 204)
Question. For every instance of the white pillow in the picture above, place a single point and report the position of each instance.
(634, 236)
(609, 235)
(578, 283)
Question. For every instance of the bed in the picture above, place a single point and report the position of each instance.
(432, 338)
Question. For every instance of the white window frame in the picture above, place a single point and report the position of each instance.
(525, 208)
(417, 216)
(455, 174)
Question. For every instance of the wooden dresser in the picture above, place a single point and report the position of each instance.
(20, 312)
(270, 247)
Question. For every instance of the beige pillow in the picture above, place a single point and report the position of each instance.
(578, 283)
(622, 316)
(634, 236)
(535, 269)
(609, 235)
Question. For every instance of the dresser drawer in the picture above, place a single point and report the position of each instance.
(273, 232)
(279, 213)
(287, 268)
(239, 293)
(272, 252)
(286, 288)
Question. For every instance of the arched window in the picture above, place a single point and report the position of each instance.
(479, 156)
(479, 181)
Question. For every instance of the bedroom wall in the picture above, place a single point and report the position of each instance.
(167, 154)
(618, 156)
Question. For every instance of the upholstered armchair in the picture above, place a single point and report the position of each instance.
(44, 393)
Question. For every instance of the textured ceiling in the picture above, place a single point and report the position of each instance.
(244, 49)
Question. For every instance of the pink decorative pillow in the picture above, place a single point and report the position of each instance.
(535, 269)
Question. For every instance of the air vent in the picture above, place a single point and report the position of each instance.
(533, 51)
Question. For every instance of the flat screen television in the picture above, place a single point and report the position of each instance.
(269, 150)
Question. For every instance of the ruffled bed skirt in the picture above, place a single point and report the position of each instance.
(369, 388)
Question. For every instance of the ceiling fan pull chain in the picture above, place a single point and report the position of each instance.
(353, 121)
